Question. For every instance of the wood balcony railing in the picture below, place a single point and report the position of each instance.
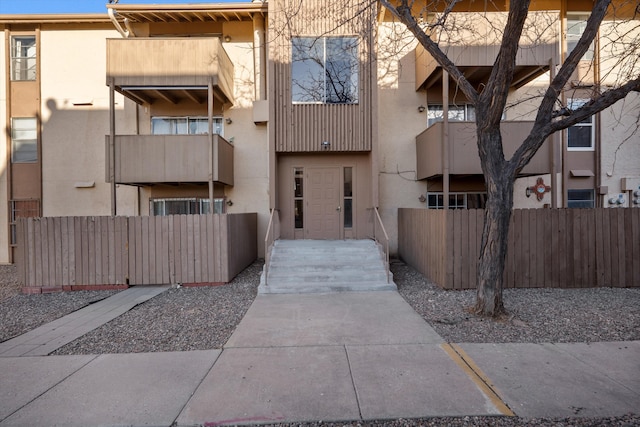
(146, 69)
(146, 159)
(463, 149)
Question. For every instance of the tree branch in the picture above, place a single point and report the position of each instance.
(494, 96)
(404, 15)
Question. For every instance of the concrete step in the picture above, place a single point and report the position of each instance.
(300, 266)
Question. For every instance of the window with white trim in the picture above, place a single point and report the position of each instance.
(185, 206)
(324, 70)
(457, 113)
(23, 58)
(576, 24)
(24, 140)
(457, 200)
(185, 125)
(581, 199)
(581, 136)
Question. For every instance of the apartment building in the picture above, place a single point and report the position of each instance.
(321, 110)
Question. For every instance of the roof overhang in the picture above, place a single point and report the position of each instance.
(211, 12)
(477, 75)
(67, 18)
(172, 94)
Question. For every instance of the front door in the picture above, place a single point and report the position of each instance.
(323, 204)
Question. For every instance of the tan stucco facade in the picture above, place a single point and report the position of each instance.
(380, 141)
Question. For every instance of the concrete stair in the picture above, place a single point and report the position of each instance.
(321, 266)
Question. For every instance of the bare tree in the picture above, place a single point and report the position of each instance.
(552, 116)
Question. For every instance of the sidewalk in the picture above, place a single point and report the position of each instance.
(330, 357)
(51, 336)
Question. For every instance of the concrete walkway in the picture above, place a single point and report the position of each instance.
(342, 356)
(51, 336)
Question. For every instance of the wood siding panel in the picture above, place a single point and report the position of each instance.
(303, 127)
(556, 248)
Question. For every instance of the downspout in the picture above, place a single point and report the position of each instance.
(124, 33)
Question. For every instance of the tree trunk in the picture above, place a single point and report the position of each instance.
(493, 251)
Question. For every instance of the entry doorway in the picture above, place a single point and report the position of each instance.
(324, 197)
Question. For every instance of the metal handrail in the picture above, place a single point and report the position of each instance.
(273, 234)
(386, 240)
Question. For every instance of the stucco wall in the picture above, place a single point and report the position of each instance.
(4, 199)
(398, 124)
(620, 154)
(73, 136)
(250, 192)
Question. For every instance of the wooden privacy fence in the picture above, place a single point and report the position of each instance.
(554, 248)
(83, 252)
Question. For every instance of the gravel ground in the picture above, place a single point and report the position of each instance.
(22, 313)
(179, 319)
(9, 283)
(534, 315)
(204, 318)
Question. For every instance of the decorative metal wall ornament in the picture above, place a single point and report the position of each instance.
(539, 189)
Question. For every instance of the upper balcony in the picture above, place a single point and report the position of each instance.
(171, 69)
(463, 149)
(151, 159)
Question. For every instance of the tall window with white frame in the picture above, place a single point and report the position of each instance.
(23, 58)
(24, 140)
(324, 70)
(576, 24)
(580, 137)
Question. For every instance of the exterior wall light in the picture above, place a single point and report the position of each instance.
(227, 38)
(325, 145)
(421, 109)
(228, 120)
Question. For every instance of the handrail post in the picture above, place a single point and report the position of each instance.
(271, 236)
(378, 220)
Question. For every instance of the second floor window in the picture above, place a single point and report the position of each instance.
(576, 24)
(324, 70)
(24, 140)
(184, 125)
(23, 58)
(580, 136)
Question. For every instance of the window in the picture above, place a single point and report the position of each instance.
(457, 113)
(21, 209)
(185, 125)
(580, 198)
(324, 70)
(23, 58)
(298, 197)
(24, 140)
(348, 197)
(580, 136)
(576, 24)
(185, 206)
(457, 200)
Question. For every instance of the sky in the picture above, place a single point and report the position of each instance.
(82, 6)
